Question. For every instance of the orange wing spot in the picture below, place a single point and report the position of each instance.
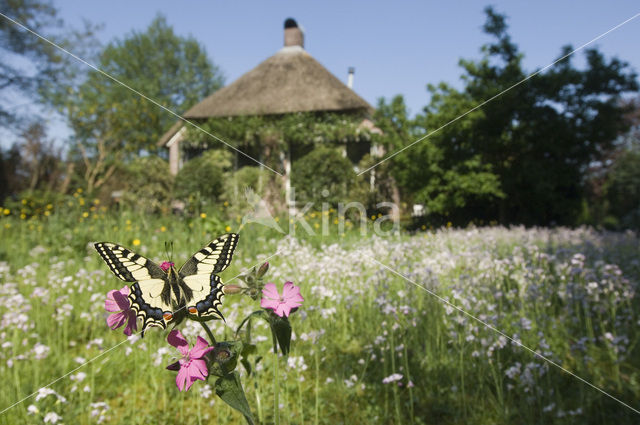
(193, 310)
(167, 317)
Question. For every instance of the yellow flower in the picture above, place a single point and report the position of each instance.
(313, 215)
(373, 217)
(128, 222)
(24, 202)
(136, 242)
(316, 225)
(49, 206)
(226, 204)
(85, 214)
(81, 201)
(47, 213)
(79, 190)
(7, 225)
(449, 224)
(424, 227)
(227, 229)
(23, 216)
(163, 229)
(6, 211)
(203, 215)
(335, 221)
(277, 219)
(96, 201)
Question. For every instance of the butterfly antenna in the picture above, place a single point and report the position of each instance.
(168, 250)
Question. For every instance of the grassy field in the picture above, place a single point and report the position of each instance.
(372, 343)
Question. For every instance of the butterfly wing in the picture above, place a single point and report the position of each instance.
(150, 293)
(198, 275)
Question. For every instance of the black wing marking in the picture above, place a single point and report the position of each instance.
(213, 258)
(127, 265)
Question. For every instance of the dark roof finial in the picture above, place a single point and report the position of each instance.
(290, 23)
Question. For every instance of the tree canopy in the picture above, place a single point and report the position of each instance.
(112, 123)
(522, 157)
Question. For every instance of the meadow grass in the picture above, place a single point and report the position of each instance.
(368, 347)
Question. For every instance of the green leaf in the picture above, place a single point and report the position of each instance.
(281, 329)
(229, 389)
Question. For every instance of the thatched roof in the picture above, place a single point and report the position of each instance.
(289, 81)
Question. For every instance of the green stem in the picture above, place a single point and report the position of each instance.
(406, 367)
(276, 413)
(211, 337)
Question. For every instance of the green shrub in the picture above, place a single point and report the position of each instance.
(622, 190)
(202, 180)
(323, 175)
(148, 184)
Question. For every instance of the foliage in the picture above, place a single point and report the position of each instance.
(322, 176)
(147, 184)
(30, 68)
(111, 123)
(202, 180)
(428, 172)
(622, 191)
(522, 156)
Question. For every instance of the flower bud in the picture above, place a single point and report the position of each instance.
(232, 289)
(262, 270)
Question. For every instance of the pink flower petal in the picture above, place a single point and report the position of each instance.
(270, 291)
(283, 310)
(289, 289)
(181, 378)
(190, 382)
(110, 304)
(176, 339)
(122, 300)
(197, 369)
(132, 324)
(200, 349)
(115, 320)
(268, 303)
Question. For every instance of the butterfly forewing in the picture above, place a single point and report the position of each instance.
(213, 258)
(128, 265)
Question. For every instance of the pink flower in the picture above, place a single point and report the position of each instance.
(118, 302)
(166, 265)
(281, 305)
(192, 365)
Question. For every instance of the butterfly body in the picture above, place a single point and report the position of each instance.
(162, 297)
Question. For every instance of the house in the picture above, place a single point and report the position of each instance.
(291, 81)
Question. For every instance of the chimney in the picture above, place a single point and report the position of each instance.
(293, 35)
(352, 71)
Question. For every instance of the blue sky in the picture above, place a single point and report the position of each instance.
(396, 48)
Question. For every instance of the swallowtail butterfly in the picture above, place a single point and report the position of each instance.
(161, 298)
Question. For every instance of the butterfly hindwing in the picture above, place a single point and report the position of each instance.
(207, 296)
(213, 258)
(150, 300)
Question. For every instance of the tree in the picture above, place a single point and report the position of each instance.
(33, 71)
(537, 139)
(113, 124)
